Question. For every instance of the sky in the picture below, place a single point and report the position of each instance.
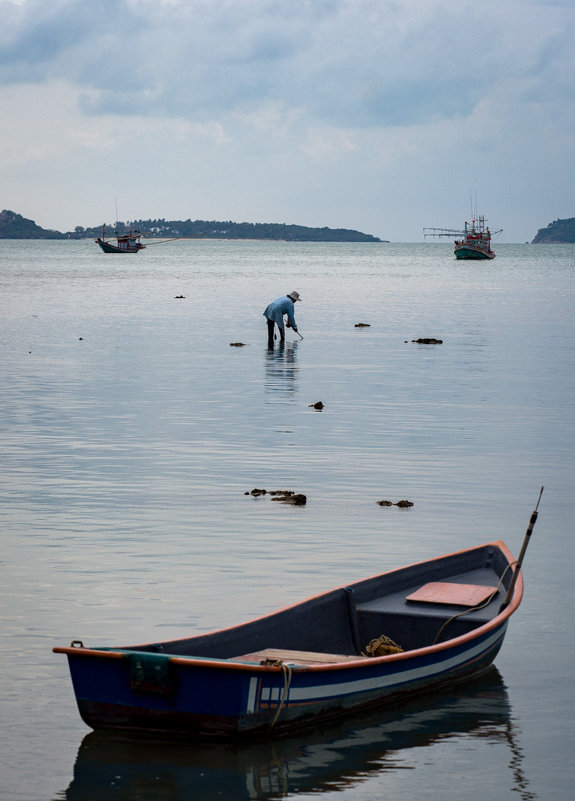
(385, 116)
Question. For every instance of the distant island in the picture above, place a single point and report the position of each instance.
(557, 232)
(14, 226)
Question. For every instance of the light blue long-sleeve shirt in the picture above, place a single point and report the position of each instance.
(277, 308)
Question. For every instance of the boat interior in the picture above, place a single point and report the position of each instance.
(415, 607)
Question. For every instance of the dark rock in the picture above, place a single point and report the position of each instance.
(237, 344)
(178, 297)
(318, 405)
(283, 496)
(385, 503)
(428, 341)
(404, 504)
(362, 325)
(295, 499)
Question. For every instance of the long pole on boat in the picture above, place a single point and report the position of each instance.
(163, 241)
(528, 533)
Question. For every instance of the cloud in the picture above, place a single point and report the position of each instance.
(337, 62)
(347, 113)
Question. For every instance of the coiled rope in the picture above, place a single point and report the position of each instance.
(382, 646)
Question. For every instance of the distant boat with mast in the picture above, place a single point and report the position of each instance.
(126, 242)
(474, 241)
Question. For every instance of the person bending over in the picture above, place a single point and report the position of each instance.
(274, 315)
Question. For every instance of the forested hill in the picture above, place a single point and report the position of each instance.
(14, 226)
(203, 229)
(556, 232)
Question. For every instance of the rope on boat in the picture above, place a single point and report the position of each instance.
(474, 608)
(382, 646)
(287, 674)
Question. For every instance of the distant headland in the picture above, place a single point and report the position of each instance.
(557, 232)
(14, 226)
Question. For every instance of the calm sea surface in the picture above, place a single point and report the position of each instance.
(130, 431)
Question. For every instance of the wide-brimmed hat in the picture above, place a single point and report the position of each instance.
(294, 296)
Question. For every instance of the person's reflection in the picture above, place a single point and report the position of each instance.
(281, 368)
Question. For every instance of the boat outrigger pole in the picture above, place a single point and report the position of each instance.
(450, 232)
(523, 549)
(163, 241)
(442, 232)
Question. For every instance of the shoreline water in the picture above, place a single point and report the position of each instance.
(130, 431)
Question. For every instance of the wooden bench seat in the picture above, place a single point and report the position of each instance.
(294, 657)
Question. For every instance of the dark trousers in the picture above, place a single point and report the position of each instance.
(271, 326)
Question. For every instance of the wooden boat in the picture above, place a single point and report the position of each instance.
(126, 242)
(438, 622)
(475, 242)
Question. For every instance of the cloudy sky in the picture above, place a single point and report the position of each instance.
(380, 115)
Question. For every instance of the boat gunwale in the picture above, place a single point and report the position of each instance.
(361, 662)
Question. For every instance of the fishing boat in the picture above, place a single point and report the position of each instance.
(126, 242)
(475, 241)
(373, 642)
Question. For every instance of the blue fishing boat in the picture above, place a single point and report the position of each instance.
(372, 642)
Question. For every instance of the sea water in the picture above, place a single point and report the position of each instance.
(132, 425)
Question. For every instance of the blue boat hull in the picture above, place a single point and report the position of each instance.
(216, 703)
(342, 753)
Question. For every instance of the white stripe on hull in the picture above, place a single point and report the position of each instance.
(382, 682)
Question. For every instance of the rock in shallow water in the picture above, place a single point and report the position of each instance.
(283, 496)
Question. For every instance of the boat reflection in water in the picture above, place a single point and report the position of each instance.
(332, 757)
